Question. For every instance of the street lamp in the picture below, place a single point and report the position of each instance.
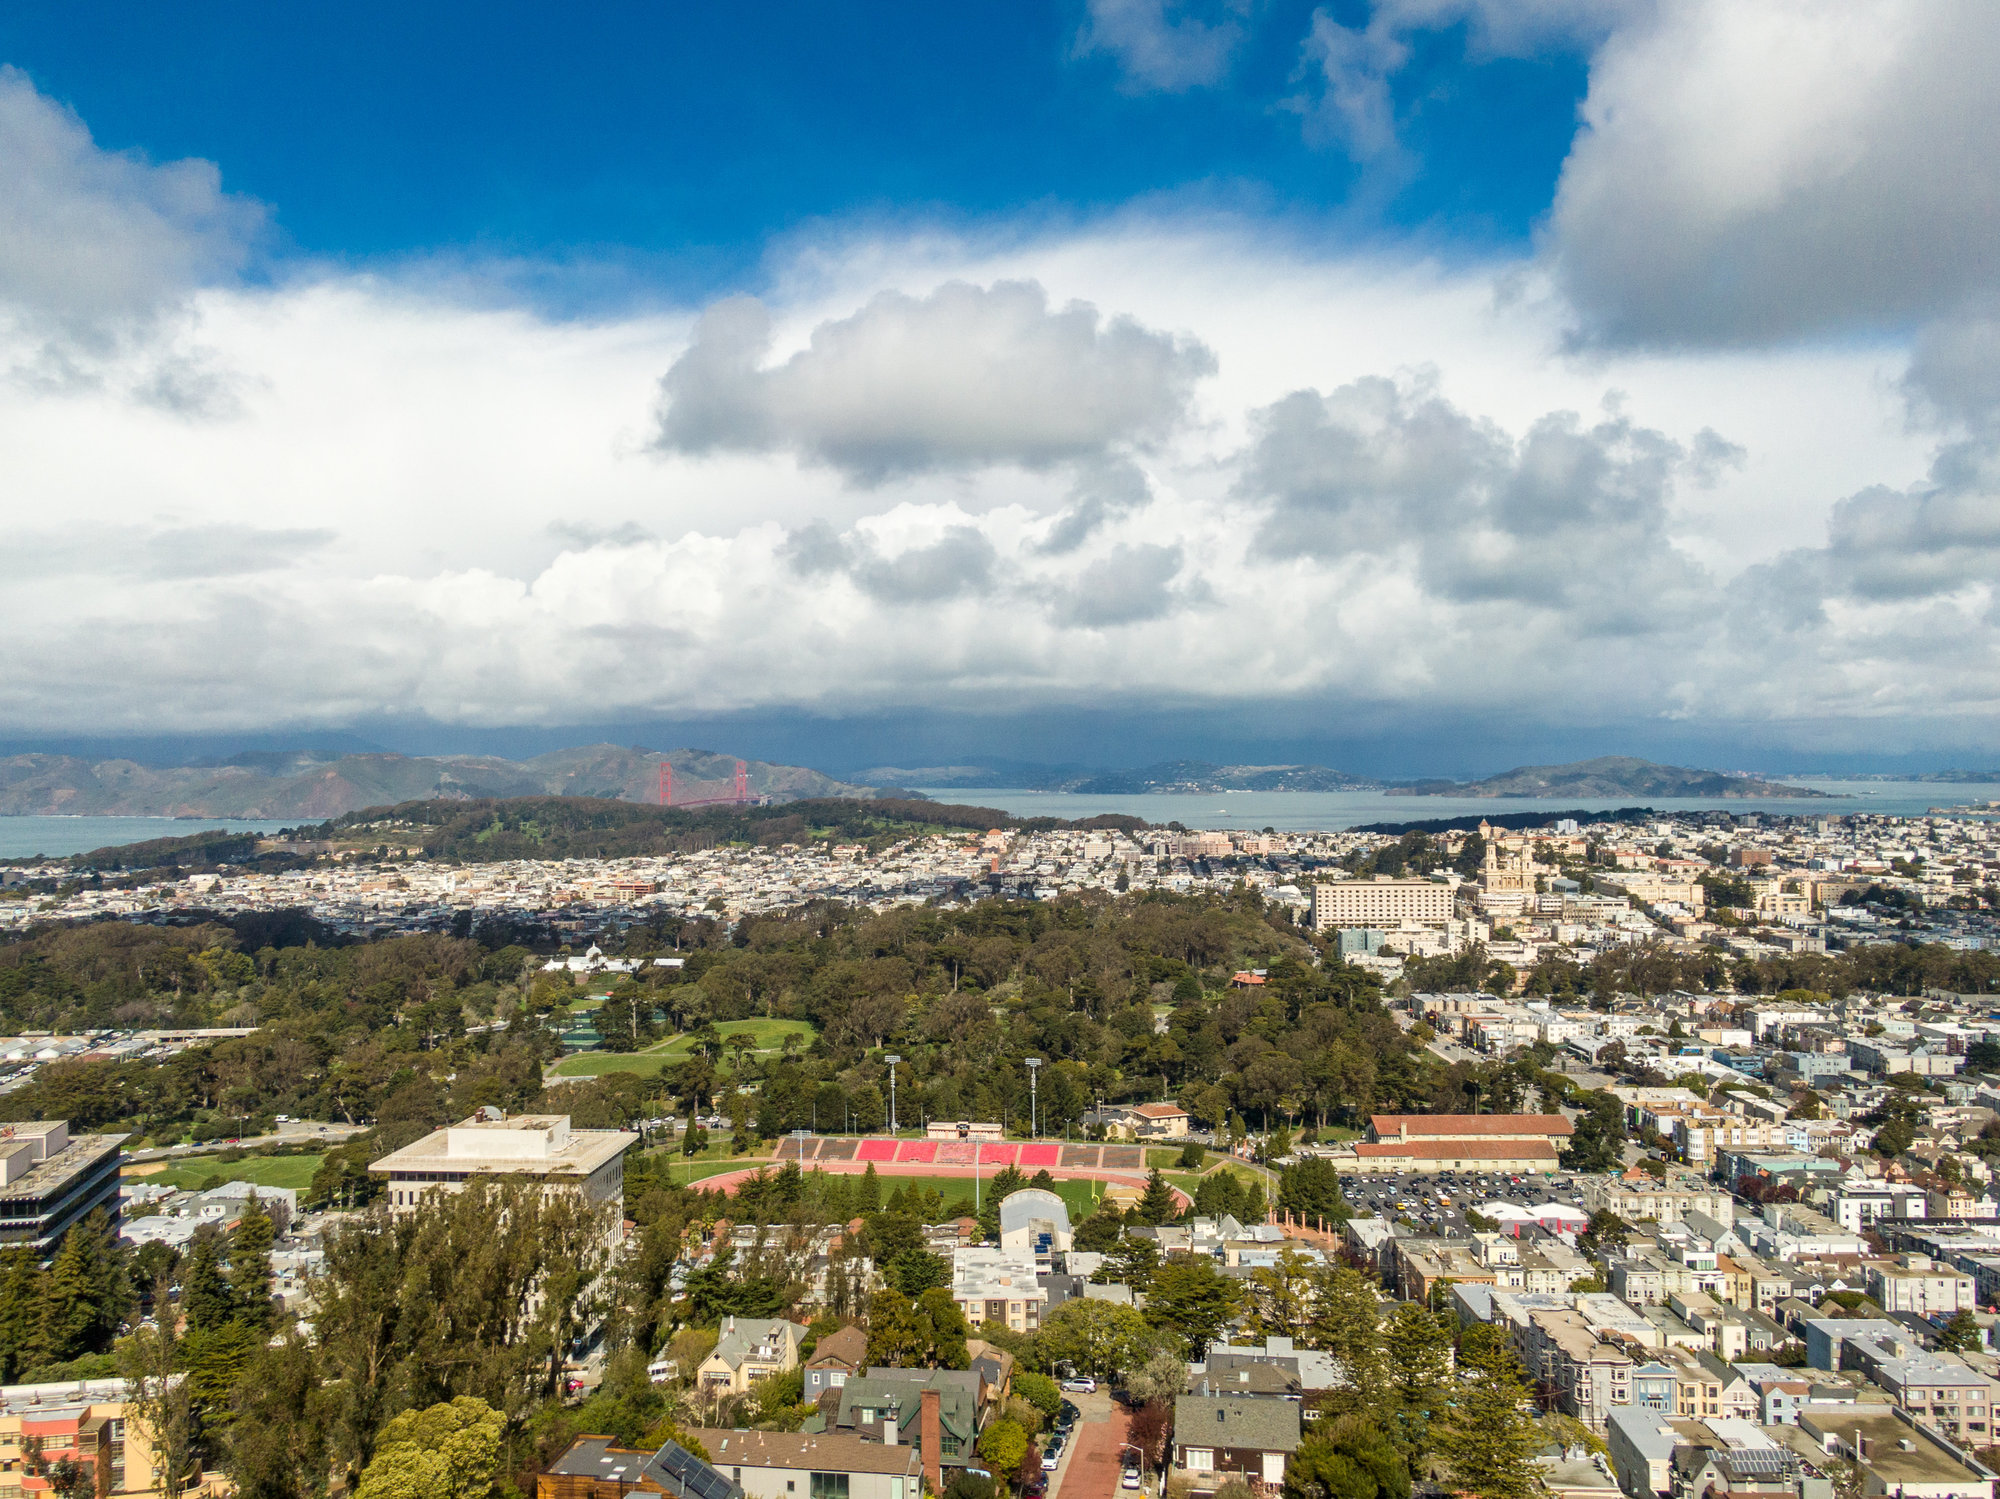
(892, 1061)
(1034, 1102)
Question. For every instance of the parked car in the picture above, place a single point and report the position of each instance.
(1066, 1416)
(1082, 1384)
(1131, 1478)
(1051, 1455)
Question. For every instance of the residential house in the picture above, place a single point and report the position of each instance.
(1217, 1437)
(944, 1410)
(1313, 1369)
(595, 1467)
(815, 1465)
(837, 1356)
(1144, 1121)
(1706, 1388)
(748, 1351)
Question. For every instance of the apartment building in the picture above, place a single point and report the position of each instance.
(1861, 1205)
(998, 1285)
(50, 1179)
(1587, 1377)
(1647, 1278)
(90, 1422)
(1916, 1283)
(1638, 1197)
(1380, 902)
(1939, 1389)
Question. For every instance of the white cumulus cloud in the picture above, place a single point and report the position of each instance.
(963, 377)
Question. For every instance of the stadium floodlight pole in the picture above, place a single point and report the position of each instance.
(1034, 1099)
(892, 1061)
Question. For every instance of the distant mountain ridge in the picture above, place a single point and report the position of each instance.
(1167, 777)
(1608, 775)
(318, 785)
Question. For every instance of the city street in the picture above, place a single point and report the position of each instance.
(1095, 1456)
(295, 1132)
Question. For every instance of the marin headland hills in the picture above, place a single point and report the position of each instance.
(320, 784)
(307, 784)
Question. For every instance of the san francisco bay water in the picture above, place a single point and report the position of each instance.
(24, 837)
(1330, 811)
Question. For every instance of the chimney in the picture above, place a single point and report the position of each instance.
(933, 1441)
(891, 1429)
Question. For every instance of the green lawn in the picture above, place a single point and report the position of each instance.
(294, 1171)
(769, 1036)
(703, 1170)
(598, 1063)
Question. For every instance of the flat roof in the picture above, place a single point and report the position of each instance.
(1884, 1432)
(582, 1153)
(75, 1158)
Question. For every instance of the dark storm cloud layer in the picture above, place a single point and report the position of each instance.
(965, 377)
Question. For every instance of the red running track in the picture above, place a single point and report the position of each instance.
(731, 1180)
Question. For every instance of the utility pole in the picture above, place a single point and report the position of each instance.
(892, 1061)
(1034, 1099)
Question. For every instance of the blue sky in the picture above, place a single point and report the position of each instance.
(1416, 385)
(693, 136)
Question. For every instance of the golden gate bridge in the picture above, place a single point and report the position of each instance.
(704, 793)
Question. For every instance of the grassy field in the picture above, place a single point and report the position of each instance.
(294, 1171)
(598, 1063)
(769, 1036)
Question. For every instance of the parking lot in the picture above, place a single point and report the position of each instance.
(1440, 1201)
